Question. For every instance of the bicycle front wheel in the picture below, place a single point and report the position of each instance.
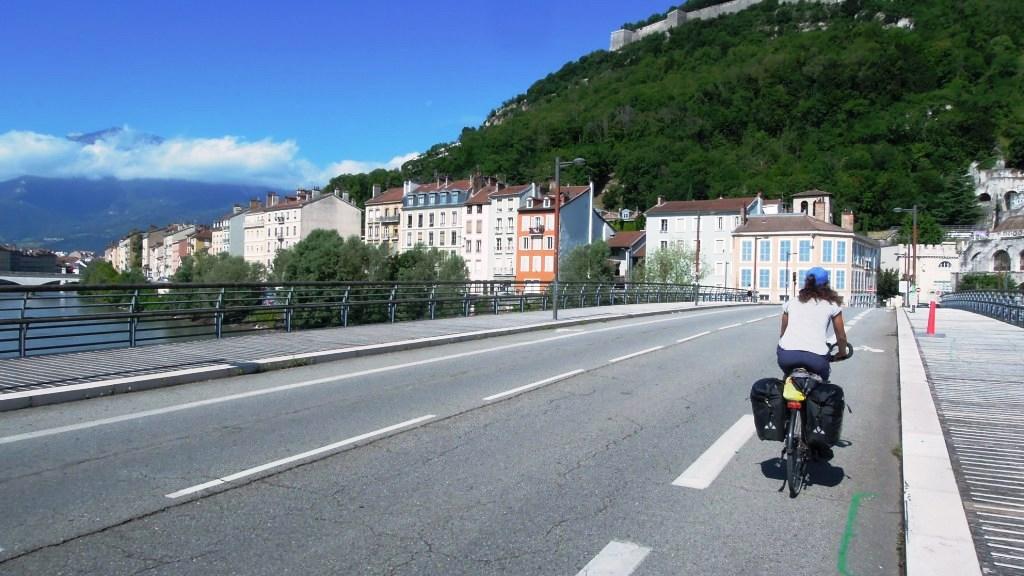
(794, 455)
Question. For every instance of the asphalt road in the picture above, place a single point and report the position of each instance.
(434, 461)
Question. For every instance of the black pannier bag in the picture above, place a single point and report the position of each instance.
(825, 406)
(769, 409)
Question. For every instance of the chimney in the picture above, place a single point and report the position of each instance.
(316, 192)
(376, 190)
(271, 199)
(254, 204)
(660, 200)
(344, 196)
(236, 209)
(848, 220)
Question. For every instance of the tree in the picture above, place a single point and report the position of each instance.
(888, 284)
(587, 263)
(673, 265)
(928, 230)
(100, 272)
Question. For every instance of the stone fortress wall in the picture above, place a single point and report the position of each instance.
(622, 37)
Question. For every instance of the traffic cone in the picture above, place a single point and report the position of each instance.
(931, 318)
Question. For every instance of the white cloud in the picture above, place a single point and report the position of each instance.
(126, 154)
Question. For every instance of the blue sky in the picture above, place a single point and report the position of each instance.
(279, 92)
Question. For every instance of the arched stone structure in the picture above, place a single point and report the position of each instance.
(1001, 261)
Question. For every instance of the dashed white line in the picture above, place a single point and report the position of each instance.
(534, 385)
(731, 326)
(694, 337)
(616, 559)
(283, 461)
(635, 354)
(710, 464)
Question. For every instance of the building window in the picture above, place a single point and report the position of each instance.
(442, 219)
(805, 250)
(469, 209)
(535, 264)
(549, 263)
(419, 220)
(841, 251)
(840, 279)
(765, 251)
(783, 279)
(410, 221)
(524, 263)
(947, 264)
(440, 238)
(764, 278)
(664, 224)
(455, 218)
(479, 244)
(826, 250)
(479, 208)
(551, 242)
(431, 219)
(408, 238)
(479, 226)
(455, 238)
(525, 243)
(497, 244)
(469, 246)
(746, 251)
(745, 277)
(721, 222)
(430, 239)
(785, 247)
(664, 244)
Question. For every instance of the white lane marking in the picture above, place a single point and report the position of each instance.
(635, 354)
(534, 385)
(616, 559)
(296, 385)
(731, 326)
(705, 469)
(569, 330)
(283, 461)
(694, 337)
(868, 349)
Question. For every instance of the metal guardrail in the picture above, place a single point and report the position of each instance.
(50, 319)
(1005, 306)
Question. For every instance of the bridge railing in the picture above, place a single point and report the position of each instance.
(48, 319)
(1005, 306)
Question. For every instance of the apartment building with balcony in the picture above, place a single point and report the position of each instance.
(704, 227)
(221, 235)
(772, 253)
(535, 231)
(432, 215)
(384, 218)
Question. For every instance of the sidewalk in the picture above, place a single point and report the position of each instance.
(962, 401)
(39, 380)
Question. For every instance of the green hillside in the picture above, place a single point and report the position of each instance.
(882, 102)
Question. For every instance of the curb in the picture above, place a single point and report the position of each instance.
(71, 393)
(938, 539)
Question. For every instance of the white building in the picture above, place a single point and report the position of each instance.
(936, 266)
(503, 213)
(281, 224)
(709, 222)
(432, 216)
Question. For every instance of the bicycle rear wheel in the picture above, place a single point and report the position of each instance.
(795, 457)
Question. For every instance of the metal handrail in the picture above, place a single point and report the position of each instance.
(1001, 305)
(48, 319)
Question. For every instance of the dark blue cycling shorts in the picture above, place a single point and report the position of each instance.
(791, 359)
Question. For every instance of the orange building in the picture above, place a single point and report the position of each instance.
(535, 236)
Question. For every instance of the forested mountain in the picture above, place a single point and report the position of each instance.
(882, 102)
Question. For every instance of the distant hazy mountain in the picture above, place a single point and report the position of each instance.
(123, 137)
(78, 213)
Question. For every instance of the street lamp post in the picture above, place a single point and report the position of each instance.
(913, 274)
(558, 225)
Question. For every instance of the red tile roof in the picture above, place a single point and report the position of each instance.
(625, 239)
(389, 196)
(513, 190)
(811, 193)
(481, 196)
(701, 206)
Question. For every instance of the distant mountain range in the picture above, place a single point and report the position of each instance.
(79, 213)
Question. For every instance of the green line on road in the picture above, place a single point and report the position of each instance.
(851, 519)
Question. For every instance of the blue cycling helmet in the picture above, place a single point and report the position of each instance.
(819, 274)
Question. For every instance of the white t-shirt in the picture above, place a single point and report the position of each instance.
(810, 325)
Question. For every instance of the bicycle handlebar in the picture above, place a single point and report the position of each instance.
(833, 350)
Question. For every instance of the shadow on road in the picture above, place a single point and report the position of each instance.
(818, 473)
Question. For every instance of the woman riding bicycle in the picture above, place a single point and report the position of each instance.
(810, 324)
